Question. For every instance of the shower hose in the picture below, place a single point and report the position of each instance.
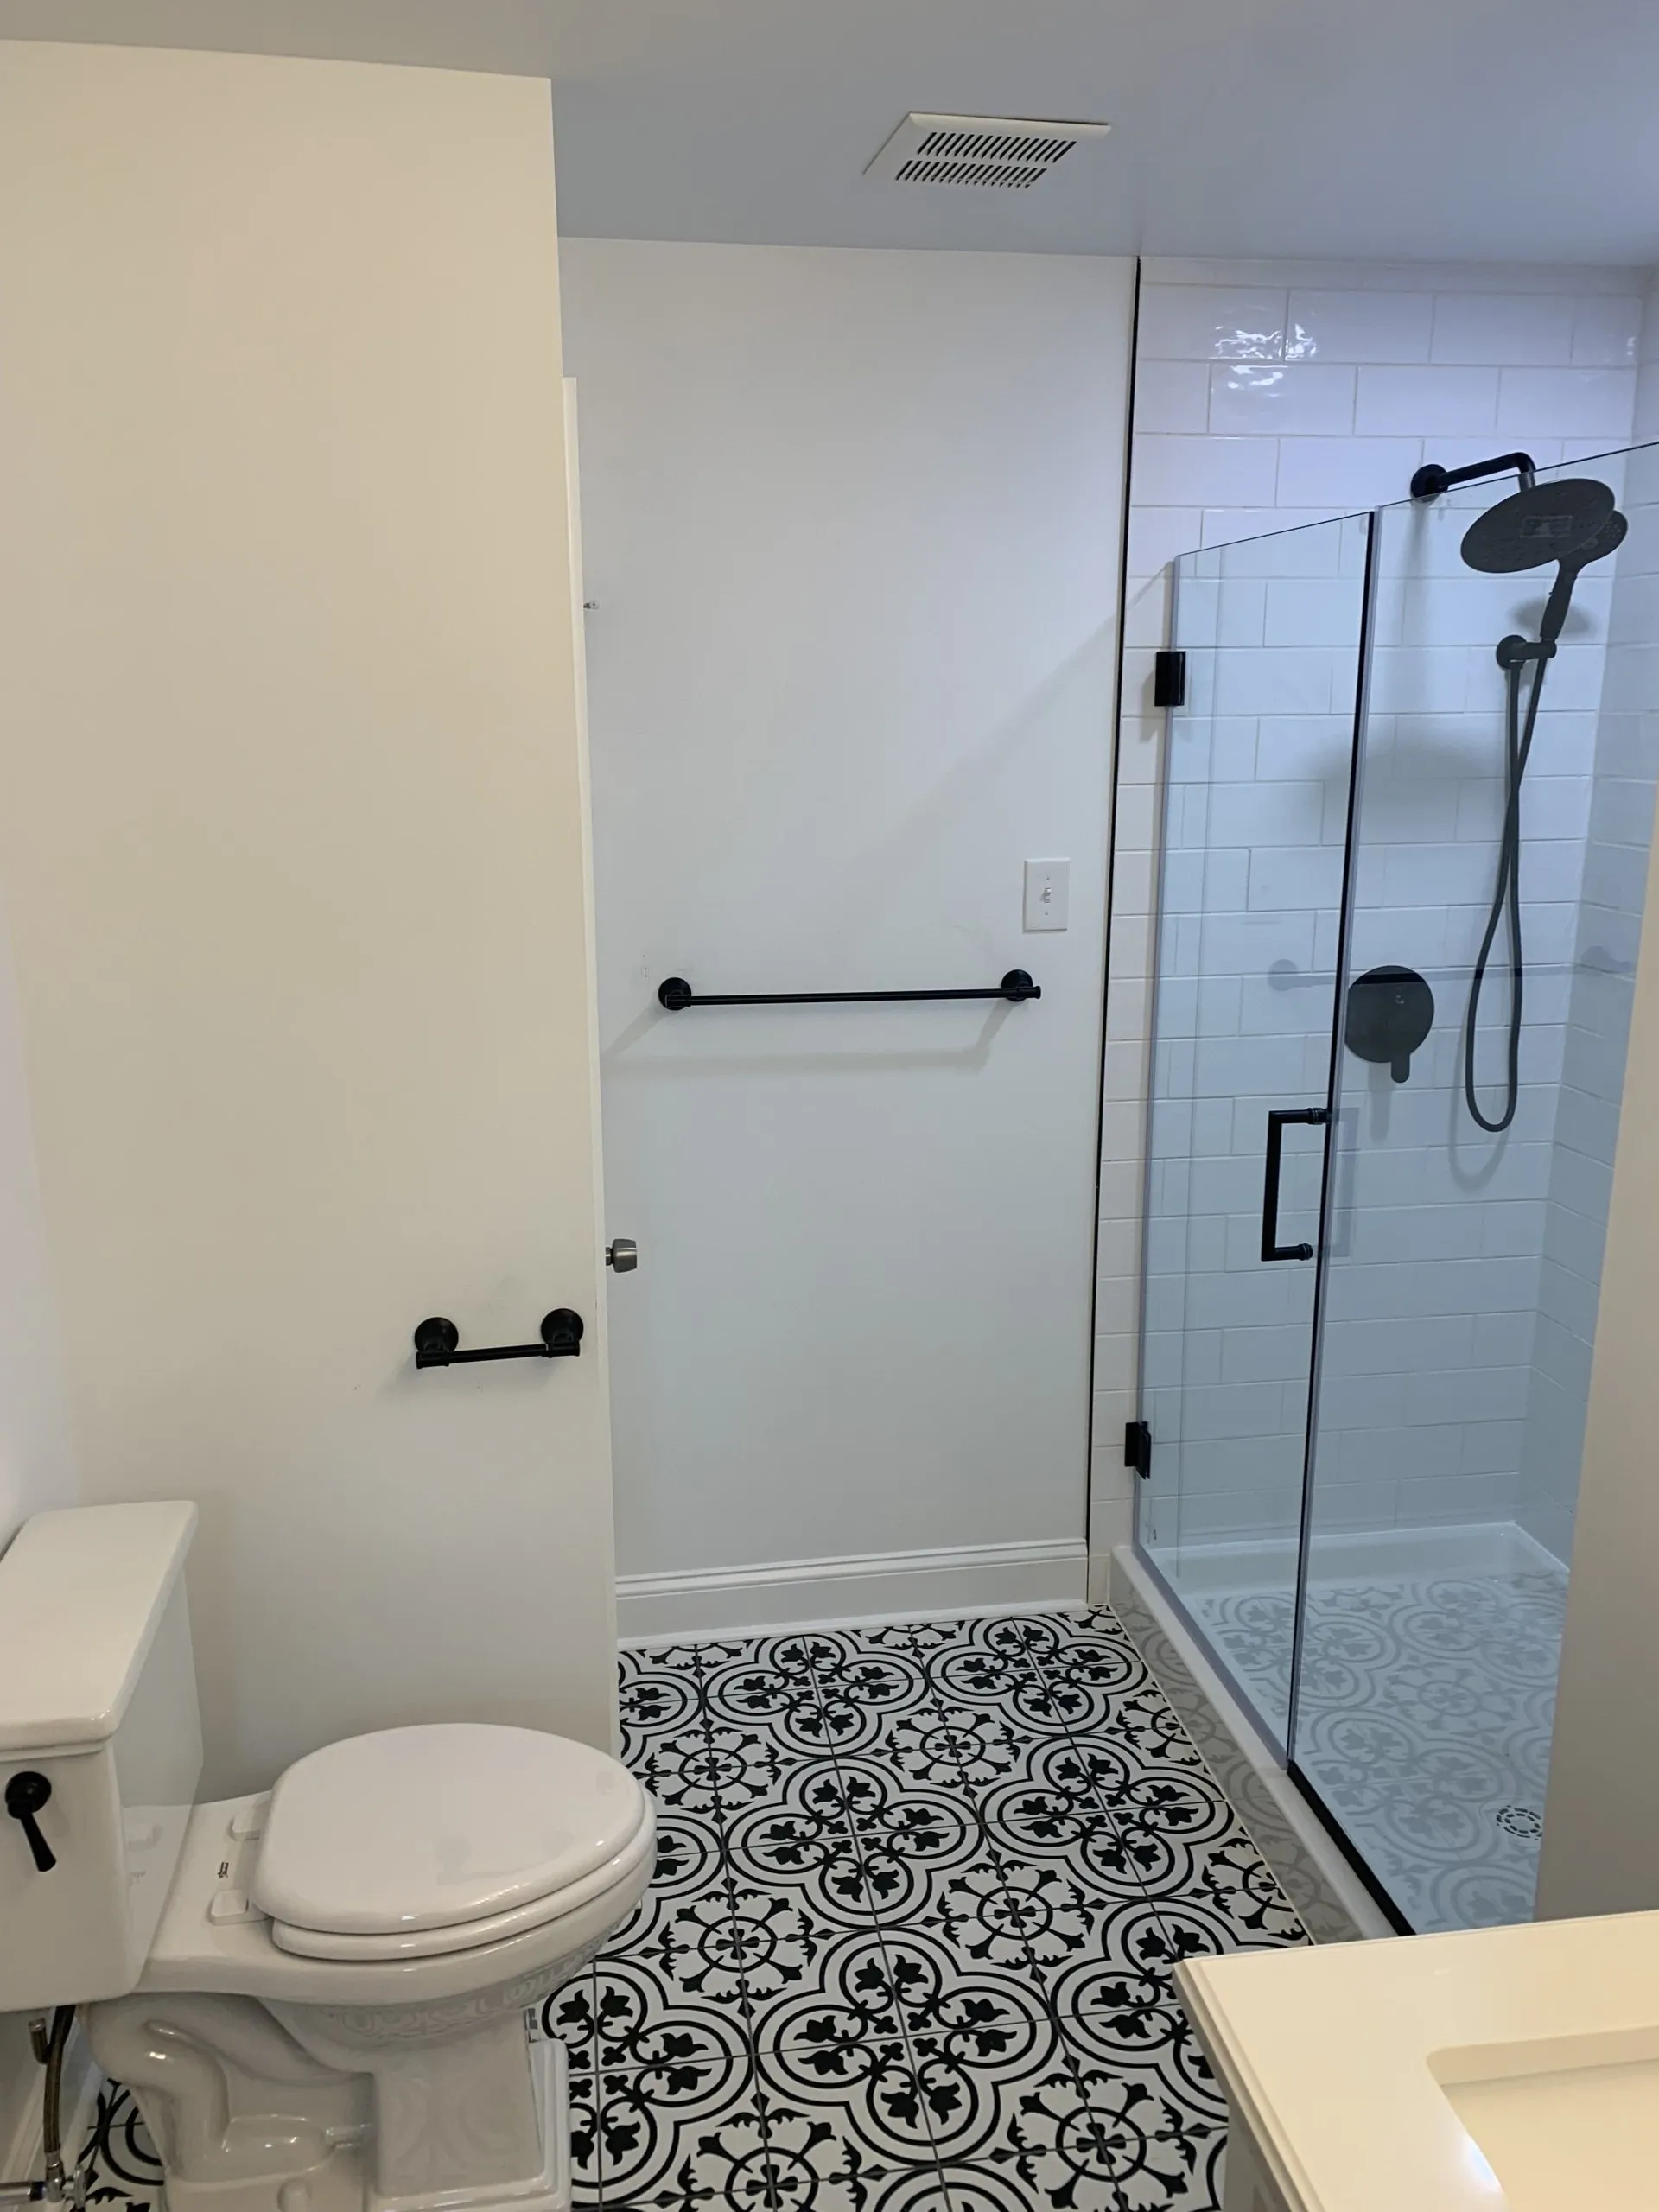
(1517, 744)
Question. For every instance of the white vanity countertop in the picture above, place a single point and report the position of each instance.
(1513, 2067)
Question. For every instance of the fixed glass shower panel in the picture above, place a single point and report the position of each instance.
(1256, 801)
(1467, 1213)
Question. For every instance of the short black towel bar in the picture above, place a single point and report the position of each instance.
(677, 994)
(437, 1342)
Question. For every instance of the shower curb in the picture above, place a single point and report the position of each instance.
(1333, 1903)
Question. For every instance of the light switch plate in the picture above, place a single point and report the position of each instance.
(1048, 893)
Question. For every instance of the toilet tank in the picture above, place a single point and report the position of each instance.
(100, 1734)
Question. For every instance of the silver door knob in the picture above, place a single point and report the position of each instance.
(623, 1254)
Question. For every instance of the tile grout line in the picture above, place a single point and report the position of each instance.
(878, 1930)
(989, 1837)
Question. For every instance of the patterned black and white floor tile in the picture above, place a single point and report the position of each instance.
(1427, 1703)
(919, 1892)
(122, 2170)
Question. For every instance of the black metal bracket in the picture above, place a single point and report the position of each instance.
(677, 994)
(1514, 651)
(1137, 1448)
(1169, 678)
(1431, 479)
(438, 1341)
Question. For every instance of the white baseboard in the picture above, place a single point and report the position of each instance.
(882, 1585)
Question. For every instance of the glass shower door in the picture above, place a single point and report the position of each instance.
(1255, 795)
(1464, 1249)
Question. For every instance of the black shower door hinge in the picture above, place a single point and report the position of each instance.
(1137, 1447)
(1169, 678)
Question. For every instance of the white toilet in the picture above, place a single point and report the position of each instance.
(317, 1996)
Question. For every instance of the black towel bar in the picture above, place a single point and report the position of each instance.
(437, 1342)
(677, 994)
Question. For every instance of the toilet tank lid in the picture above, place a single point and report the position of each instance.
(82, 1592)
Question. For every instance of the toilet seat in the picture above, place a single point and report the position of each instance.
(412, 1843)
(467, 1935)
(200, 1946)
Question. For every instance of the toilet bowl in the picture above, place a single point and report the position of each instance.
(332, 2014)
(317, 1996)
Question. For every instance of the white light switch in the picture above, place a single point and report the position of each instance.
(1048, 891)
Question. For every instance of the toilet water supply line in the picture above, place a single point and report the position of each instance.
(56, 2187)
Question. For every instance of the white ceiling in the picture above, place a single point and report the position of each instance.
(1511, 129)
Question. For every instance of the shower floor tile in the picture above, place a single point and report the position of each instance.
(919, 1894)
(1426, 1706)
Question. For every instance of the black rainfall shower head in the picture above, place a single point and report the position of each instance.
(1546, 522)
(1607, 540)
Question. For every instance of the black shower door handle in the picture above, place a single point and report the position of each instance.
(1314, 1117)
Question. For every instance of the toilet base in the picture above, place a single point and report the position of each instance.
(231, 2152)
(549, 2191)
(271, 2081)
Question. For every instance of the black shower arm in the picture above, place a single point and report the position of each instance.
(1431, 479)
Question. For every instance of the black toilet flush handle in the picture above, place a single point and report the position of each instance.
(25, 1794)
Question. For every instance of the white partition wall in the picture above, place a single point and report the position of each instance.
(293, 851)
(852, 524)
(1603, 1810)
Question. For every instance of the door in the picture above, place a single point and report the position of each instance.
(1459, 1306)
(293, 850)
(1255, 795)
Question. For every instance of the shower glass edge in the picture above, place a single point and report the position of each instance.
(1249, 867)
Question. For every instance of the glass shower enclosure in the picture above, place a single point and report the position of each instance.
(1373, 1237)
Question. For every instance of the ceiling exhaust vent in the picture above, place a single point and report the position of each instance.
(1008, 153)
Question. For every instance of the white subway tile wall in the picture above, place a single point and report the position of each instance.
(1424, 1341)
(1267, 396)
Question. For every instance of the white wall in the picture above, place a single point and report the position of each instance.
(1270, 395)
(851, 522)
(1619, 830)
(1602, 1811)
(37, 1451)
(292, 846)
(1615, 876)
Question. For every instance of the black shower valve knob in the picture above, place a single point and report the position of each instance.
(1390, 1011)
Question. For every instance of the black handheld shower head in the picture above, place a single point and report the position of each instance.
(1607, 540)
(1572, 523)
